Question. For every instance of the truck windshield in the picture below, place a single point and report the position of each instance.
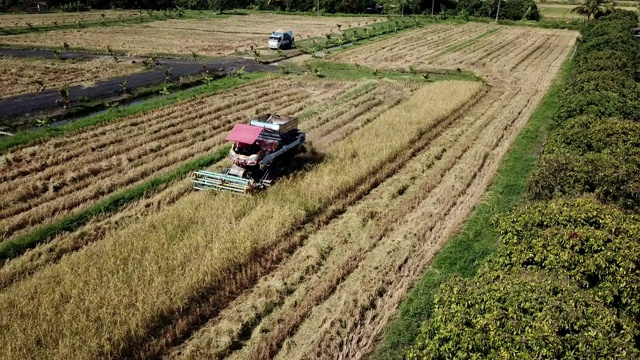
(276, 38)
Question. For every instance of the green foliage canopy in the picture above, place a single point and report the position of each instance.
(594, 245)
(520, 315)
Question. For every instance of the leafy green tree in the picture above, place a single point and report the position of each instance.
(221, 5)
(595, 245)
(591, 156)
(592, 9)
(520, 315)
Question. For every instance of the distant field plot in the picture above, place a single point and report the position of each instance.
(632, 3)
(211, 37)
(557, 11)
(22, 76)
(261, 24)
(563, 11)
(414, 47)
(46, 19)
(504, 54)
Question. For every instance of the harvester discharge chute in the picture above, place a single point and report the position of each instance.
(259, 151)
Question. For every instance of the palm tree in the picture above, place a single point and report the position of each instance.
(592, 9)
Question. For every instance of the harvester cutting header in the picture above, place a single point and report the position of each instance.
(260, 151)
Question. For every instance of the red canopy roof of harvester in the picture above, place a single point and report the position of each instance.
(244, 133)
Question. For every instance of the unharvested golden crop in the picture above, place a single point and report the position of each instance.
(155, 267)
(22, 76)
(211, 37)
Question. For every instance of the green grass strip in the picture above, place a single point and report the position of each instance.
(350, 95)
(352, 72)
(463, 254)
(29, 137)
(112, 204)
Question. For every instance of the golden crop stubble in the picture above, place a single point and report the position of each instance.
(47, 19)
(93, 301)
(411, 48)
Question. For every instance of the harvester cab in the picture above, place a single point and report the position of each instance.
(259, 152)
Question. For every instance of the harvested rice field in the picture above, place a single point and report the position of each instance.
(61, 18)
(315, 266)
(211, 37)
(23, 75)
(413, 48)
(555, 11)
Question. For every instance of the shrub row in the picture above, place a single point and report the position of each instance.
(594, 150)
(565, 280)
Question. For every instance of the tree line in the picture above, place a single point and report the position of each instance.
(509, 9)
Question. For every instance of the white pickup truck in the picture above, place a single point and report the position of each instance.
(281, 39)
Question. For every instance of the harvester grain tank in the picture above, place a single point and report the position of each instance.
(260, 151)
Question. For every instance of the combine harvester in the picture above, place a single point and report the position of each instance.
(259, 153)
